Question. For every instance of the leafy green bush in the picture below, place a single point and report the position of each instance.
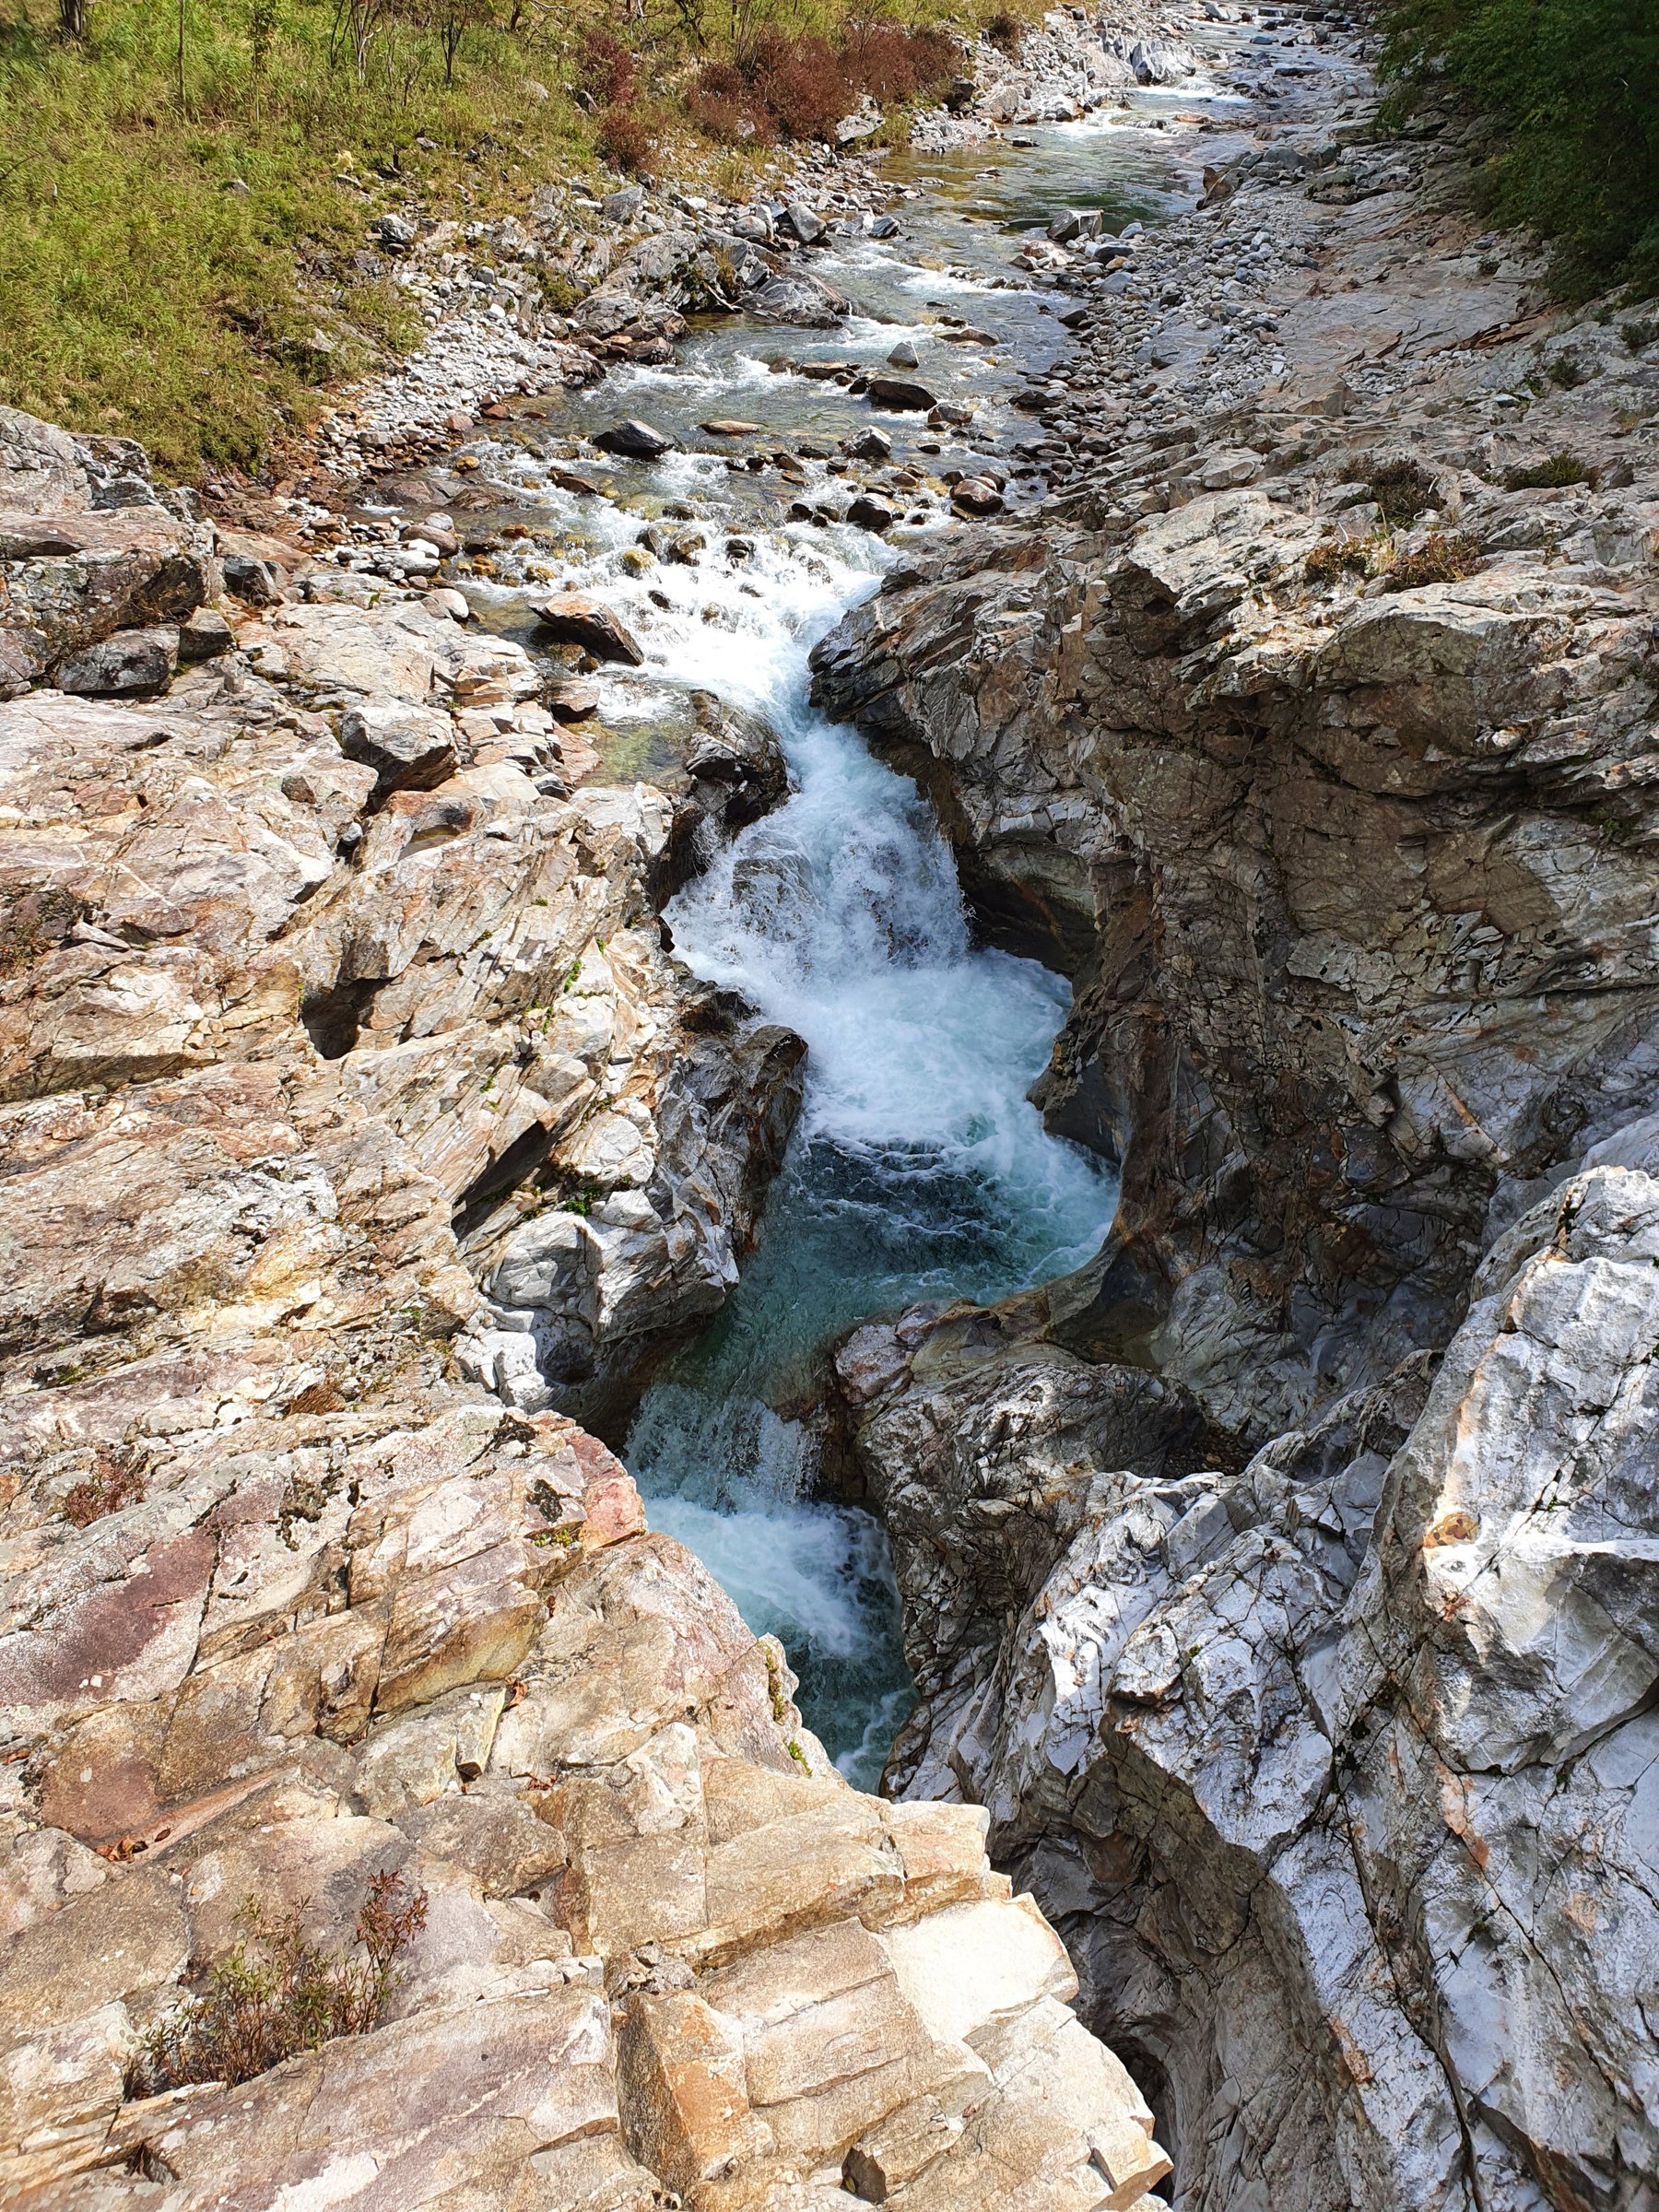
(1573, 88)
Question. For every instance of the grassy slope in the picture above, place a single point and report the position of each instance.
(144, 293)
(1573, 87)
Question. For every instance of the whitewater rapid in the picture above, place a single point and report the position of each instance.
(919, 1171)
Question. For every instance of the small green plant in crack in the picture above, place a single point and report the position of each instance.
(1560, 470)
(582, 1200)
(1567, 370)
(1636, 335)
(278, 1993)
(1446, 557)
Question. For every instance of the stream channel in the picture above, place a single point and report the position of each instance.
(919, 1169)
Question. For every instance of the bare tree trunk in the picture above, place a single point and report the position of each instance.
(72, 18)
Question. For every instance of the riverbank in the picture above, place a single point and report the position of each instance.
(1247, 1573)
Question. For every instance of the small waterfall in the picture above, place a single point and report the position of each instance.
(919, 1171)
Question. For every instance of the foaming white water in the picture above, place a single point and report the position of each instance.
(920, 1169)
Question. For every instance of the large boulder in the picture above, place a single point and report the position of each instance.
(579, 620)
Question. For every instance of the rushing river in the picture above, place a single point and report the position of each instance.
(918, 1169)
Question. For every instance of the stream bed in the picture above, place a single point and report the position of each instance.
(918, 1169)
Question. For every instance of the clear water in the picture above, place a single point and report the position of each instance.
(919, 1169)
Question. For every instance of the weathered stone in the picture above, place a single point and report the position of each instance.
(582, 621)
(410, 748)
(894, 393)
(133, 661)
(792, 295)
(686, 2091)
(868, 513)
(636, 440)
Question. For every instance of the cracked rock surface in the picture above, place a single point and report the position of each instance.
(1282, 1583)
(350, 1103)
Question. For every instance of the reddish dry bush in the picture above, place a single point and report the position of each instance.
(605, 71)
(725, 105)
(116, 1480)
(730, 122)
(278, 1993)
(724, 80)
(803, 83)
(891, 64)
(626, 141)
(1005, 30)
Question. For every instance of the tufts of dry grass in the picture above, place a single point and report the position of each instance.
(278, 1993)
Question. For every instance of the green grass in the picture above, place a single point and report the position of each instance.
(144, 293)
(1573, 87)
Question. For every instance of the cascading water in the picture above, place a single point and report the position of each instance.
(918, 1169)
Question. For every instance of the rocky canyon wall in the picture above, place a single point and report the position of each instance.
(1282, 1583)
(348, 1095)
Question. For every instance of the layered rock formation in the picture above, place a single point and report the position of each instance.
(1282, 1583)
(332, 993)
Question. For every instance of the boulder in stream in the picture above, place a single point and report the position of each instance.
(577, 620)
(868, 513)
(792, 296)
(635, 440)
(976, 496)
(902, 396)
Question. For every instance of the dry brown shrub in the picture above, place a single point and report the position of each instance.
(802, 81)
(627, 141)
(116, 1480)
(891, 64)
(1443, 557)
(725, 105)
(277, 1993)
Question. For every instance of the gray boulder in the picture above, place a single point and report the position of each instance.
(805, 223)
(133, 661)
(793, 297)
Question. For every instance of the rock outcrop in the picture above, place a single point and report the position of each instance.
(343, 1072)
(1335, 1774)
(667, 1955)
(1282, 1583)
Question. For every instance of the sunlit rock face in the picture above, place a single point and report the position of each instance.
(336, 1019)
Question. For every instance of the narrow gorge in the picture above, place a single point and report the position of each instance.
(829, 1327)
